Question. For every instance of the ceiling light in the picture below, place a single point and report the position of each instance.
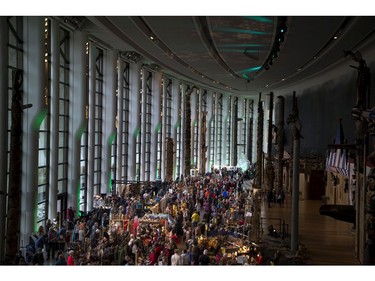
(335, 37)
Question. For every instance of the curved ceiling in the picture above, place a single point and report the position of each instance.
(236, 53)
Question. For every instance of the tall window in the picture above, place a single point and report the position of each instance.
(148, 119)
(229, 128)
(98, 119)
(244, 126)
(63, 111)
(138, 139)
(159, 133)
(114, 138)
(203, 131)
(125, 121)
(219, 141)
(84, 143)
(178, 135)
(195, 143)
(44, 133)
(212, 132)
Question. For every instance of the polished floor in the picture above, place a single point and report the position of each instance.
(327, 241)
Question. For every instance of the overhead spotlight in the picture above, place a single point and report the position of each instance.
(274, 55)
(283, 27)
(281, 37)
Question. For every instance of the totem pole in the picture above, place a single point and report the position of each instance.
(364, 117)
(15, 168)
(169, 164)
(295, 124)
(203, 142)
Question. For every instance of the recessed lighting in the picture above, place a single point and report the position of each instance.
(335, 37)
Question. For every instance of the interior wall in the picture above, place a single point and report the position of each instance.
(320, 108)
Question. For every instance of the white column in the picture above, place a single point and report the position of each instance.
(134, 118)
(155, 122)
(226, 107)
(91, 126)
(33, 93)
(215, 112)
(232, 131)
(199, 118)
(175, 119)
(109, 118)
(120, 117)
(164, 128)
(209, 117)
(54, 119)
(194, 119)
(78, 121)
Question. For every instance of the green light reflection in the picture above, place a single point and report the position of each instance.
(261, 19)
(245, 31)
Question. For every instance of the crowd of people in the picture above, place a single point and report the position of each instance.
(192, 221)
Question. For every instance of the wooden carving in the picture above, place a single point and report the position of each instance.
(169, 164)
(15, 166)
(203, 143)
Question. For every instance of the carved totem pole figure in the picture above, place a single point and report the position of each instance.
(203, 143)
(15, 166)
(169, 164)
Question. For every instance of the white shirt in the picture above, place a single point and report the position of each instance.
(175, 259)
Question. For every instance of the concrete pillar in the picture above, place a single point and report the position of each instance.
(109, 119)
(78, 121)
(54, 119)
(33, 93)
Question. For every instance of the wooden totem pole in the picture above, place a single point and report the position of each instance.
(169, 164)
(203, 142)
(15, 168)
